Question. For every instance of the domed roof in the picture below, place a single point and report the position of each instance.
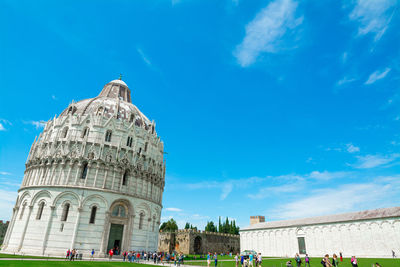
(113, 101)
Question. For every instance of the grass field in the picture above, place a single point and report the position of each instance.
(25, 257)
(315, 262)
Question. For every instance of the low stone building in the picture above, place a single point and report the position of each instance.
(370, 233)
(190, 241)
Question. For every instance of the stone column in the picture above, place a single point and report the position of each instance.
(130, 231)
(95, 176)
(113, 180)
(78, 170)
(76, 227)
(10, 227)
(106, 230)
(69, 171)
(87, 173)
(105, 177)
(21, 242)
(49, 224)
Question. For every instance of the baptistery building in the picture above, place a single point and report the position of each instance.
(94, 179)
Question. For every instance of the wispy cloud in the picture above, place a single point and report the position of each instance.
(265, 32)
(345, 80)
(53, 97)
(372, 161)
(7, 202)
(377, 75)
(4, 122)
(173, 209)
(373, 16)
(37, 124)
(352, 148)
(144, 57)
(345, 198)
(4, 173)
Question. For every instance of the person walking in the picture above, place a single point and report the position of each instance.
(297, 259)
(68, 252)
(393, 254)
(237, 260)
(251, 260)
(92, 254)
(110, 254)
(259, 259)
(354, 261)
(341, 256)
(215, 259)
(307, 261)
(327, 261)
(241, 260)
(335, 262)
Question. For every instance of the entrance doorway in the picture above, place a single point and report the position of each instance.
(302, 245)
(115, 238)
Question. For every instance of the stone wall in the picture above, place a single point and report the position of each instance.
(190, 241)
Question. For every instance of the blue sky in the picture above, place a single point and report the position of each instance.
(280, 108)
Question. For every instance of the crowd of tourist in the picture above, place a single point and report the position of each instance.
(325, 261)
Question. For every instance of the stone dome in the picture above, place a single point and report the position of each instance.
(114, 101)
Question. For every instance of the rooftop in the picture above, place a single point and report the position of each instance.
(343, 217)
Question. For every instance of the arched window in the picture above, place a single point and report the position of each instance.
(119, 211)
(93, 214)
(64, 132)
(129, 141)
(99, 111)
(108, 136)
(40, 211)
(84, 170)
(22, 211)
(64, 215)
(125, 177)
(85, 132)
(132, 117)
(141, 219)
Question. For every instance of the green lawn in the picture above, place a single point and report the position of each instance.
(315, 262)
(25, 256)
(18, 263)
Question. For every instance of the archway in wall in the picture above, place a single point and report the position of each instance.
(197, 245)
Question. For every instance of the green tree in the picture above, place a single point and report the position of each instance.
(210, 227)
(188, 226)
(169, 226)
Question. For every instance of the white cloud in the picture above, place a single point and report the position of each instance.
(373, 16)
(264, 33)
(144, 57)
(37, 124)
(325, 175)
(348, 197)
(351, 148)
(268, 191)
(345, 80)
(4, 122)
(4, 173)
(226, 190)
(377, 75)
(7, 202)
(372, 161)
(173, 209)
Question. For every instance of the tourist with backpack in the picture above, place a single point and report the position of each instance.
(297, 259)
(307, 260)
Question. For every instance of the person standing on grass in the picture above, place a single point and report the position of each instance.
(354, 261)
(393, 254)
(259, 259)
(307, 260)
(241, 260)
(237, 260)
(251, 260)
(298, 260)
(335, 262)
(208, 259)
(341, 256)
(327, 261)
(215, 259)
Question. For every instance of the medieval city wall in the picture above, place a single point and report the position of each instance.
(190, 241)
